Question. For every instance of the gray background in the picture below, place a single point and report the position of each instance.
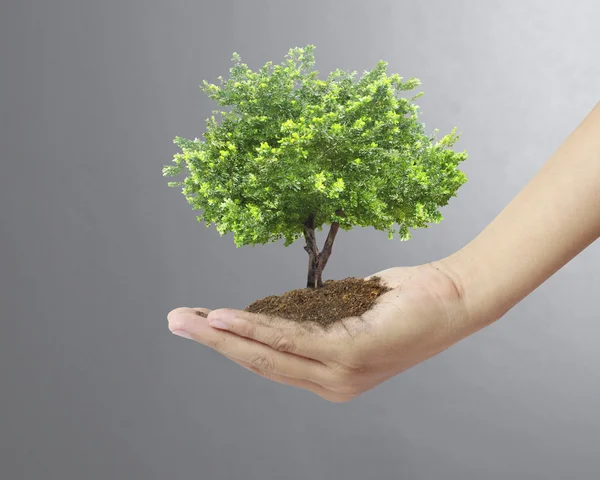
(96, 249)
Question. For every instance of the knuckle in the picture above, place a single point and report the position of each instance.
(353, 362)
(249, 330)
(283, 343)
(345, 388)
(348, 364)
(346, 381)
(262, 362)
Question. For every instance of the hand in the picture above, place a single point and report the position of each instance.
(421, 316)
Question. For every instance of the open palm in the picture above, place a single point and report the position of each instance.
(421, 316)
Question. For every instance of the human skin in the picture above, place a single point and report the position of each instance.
(433, 306)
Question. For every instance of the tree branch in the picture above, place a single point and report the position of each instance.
(328, 246)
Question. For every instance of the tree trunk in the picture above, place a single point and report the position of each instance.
(313, 280)
(318, 260)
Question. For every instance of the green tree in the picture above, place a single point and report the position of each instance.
(293, 153)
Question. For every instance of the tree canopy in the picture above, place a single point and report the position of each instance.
(286, 146)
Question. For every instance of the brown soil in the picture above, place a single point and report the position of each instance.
(337, 299)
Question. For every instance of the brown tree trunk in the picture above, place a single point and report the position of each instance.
(312, 281)
(318, 260)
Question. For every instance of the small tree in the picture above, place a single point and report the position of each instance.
(293, 153)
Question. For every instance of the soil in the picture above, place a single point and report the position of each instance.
(336, 299)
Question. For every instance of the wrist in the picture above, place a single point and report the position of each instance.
(548, 223)
(474, 289)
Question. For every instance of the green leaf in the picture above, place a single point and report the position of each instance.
(284, 144)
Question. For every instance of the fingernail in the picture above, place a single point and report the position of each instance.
(218, 324)
(182, 333)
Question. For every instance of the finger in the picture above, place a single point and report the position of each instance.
(294, 382)
(258, 355)
(202, 312)
(279, 334)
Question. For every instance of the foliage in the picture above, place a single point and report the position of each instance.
(289, 145)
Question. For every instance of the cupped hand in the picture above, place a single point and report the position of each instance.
(421, 316)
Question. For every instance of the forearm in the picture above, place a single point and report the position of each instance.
(555, 217)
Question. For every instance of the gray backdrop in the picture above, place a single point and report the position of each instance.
(96, 249)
